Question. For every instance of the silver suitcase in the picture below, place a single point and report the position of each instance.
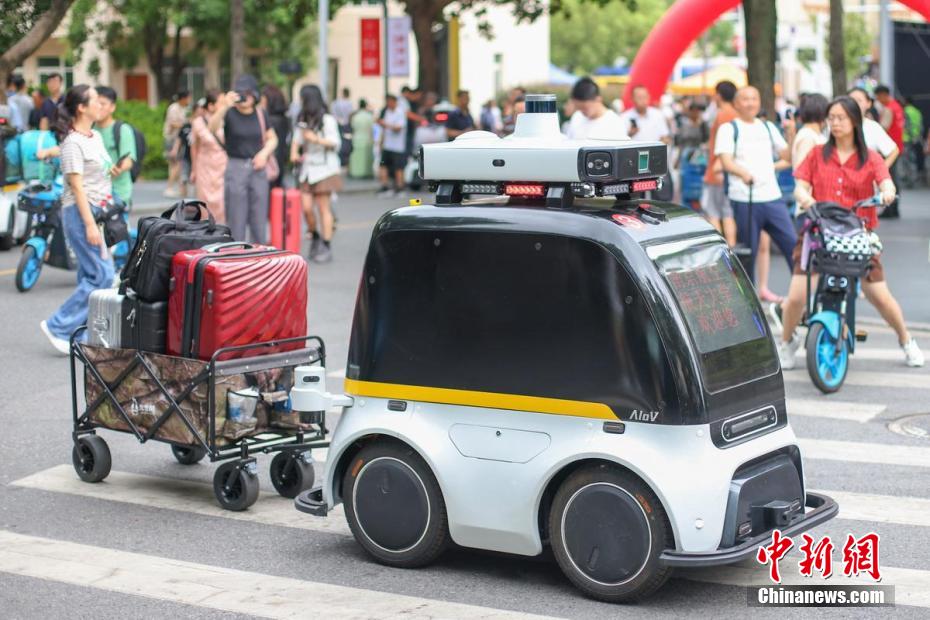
(105, 318)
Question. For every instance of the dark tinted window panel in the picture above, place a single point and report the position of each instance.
(720, 307)
(529, 314)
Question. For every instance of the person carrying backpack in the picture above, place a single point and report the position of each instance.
(747, 148)
(119, 138)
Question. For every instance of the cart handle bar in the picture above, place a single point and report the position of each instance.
(270, 344)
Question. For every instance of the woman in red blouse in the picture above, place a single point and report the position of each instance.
(843, 171)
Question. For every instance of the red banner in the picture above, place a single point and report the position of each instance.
(371, 46)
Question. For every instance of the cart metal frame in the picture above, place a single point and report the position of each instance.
(279, 440)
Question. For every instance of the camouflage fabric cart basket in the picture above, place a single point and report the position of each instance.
(168, 398)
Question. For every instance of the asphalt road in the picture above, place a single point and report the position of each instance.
(150, 543)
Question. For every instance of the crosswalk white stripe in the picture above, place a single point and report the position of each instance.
(860, 452)
(882, 508)
(215, 587)
(911, 586)
(834, 409)
(182, 495)
(271, 509)
(197, 498)
(906, 379)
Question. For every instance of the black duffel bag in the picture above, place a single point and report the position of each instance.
(115, 228)
(180, 228)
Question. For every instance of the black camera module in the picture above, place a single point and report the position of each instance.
(598, 164)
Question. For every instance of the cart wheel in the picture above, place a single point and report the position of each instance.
(235, 485)
(28, 270)
(188, 455)
(91, 458)
(394, 506)
(291, 474)
(608, 530)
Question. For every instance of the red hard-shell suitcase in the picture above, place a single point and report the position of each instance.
(284, 216)
(231, 294)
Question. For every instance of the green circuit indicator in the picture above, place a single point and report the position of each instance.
(643, 165)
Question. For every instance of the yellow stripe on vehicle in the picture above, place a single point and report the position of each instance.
(489, 400)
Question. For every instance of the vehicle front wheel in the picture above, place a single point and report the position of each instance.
(28, 270)
(826, 366)
(291, 473)
(608, 530)
(394, 505)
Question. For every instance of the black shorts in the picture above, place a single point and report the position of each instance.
(393, 161)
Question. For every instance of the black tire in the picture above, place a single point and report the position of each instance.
(394, 506)
(6, 242)
(827, 385)
(291, 474)
(24, 282)
(188, 455)
(235, 485)
(91, 458)
(603, 501)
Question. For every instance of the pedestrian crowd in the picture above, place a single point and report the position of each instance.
(747, 174)
(750, 176)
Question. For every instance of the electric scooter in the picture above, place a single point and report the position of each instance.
(837, 248)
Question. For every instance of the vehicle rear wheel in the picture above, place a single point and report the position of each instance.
(6, 242)
(291, 474)
(91, 458)
(607, 530)
(28, 270)
(188, 455)
(826, 366)
(235, 485)
(394, 506)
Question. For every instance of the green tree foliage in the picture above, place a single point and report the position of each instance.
(18, 19)
(857, 44)
(24, 26)
(277, 29)
(719, 38)
(587, 34)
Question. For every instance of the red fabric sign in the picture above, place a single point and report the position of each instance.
(371, 46)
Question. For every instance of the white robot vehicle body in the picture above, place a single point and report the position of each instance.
(592, 375)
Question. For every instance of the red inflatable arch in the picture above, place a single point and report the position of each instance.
(684, 22)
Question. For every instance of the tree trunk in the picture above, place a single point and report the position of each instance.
(153, 35)
(422, 24)
(237, 38)
(761, 24)
(177, 62)
(837, 48)
(41, 30)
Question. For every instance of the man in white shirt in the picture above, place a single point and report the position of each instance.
(592, 119)
(748, 148)
(393, 147)
(644, 121)
(647, 123)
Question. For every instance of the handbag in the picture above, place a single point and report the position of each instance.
(272, 170)
(180, 228)
(115, 227)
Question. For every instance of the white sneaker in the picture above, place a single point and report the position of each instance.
(912, 354)
(61, 345)
(787, 350)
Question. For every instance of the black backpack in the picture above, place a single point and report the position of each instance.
(140, 147)
(148, 270)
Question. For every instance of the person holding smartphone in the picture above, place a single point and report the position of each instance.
(250, 141)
